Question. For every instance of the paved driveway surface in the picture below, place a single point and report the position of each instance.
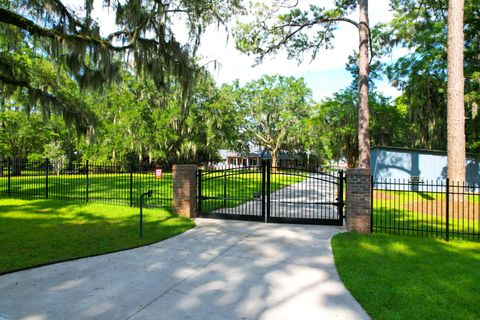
(218, 270)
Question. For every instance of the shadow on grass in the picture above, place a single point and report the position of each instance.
(37, 232)
(105, 188)
(425, 195)
(405, 222)
(266, 277)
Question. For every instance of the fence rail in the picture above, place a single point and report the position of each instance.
(104, 182)
(443, 209)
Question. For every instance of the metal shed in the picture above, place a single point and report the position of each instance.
(418, 164)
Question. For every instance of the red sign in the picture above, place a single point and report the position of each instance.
(158, 173)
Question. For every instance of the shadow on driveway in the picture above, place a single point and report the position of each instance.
(218, 270)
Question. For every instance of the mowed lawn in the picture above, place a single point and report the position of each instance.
(106, 188)
(34, 232)
(229, 189)
(425, 213)
(399, 277)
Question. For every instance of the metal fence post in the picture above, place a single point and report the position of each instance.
(371, 204)
(199, 182)
(225, 189)
(264, 182)
(447, 234)
(131, 184)
(86, 182)
(340, 195)
(9, 175)
(46, 177)
(268, 173)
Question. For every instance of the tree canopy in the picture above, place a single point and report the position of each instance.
(143, 38)
(143, 97)
(334, 127)
(421, 74)
(301, 31)
(273, 109)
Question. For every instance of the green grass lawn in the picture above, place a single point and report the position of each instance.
(107, 188)
(391, 195)
(395, 277)
(115, 188)
(420, 213)
(34, 232)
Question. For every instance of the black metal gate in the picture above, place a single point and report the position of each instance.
(272, 194)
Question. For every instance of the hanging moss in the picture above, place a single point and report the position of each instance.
(73, 40)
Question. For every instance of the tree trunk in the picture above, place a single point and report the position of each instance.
(274, 159)
(16, 168)
(363, 113)
(455, 91)
(351, 159)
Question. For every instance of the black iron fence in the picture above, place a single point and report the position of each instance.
(443, 209)
(271, 194)
(104, 182)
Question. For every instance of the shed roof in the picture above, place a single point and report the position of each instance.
(427, 151)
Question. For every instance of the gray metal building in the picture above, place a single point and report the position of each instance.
(417, 165)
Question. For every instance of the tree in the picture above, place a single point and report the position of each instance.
(336, 123)
(55, 155)
(316, 140)
(21, 135)
(48, 83)
(143, 37)
(293, 32)
(273, 108)
(363, 113)
(455, 92)
(421, 74)
(138, 123)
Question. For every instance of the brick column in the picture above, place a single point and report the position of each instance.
(358, 200)
(185, 190)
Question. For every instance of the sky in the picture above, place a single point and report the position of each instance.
(325, 75)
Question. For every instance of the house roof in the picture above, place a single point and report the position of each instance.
(224, 154)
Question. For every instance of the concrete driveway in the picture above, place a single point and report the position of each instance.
(219, 270)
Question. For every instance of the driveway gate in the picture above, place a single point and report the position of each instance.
(272, 194)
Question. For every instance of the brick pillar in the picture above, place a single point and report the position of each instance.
(185, 190)
(358, 200)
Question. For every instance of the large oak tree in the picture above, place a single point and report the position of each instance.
(272, 110)
(143, 37)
